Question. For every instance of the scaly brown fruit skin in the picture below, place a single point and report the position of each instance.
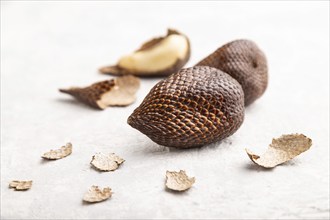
(191, 108)
(114, 92)
(243, 60)
(91, 94)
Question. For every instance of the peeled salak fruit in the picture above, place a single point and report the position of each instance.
(160, 56)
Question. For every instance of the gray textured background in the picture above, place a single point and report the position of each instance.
(48, 45)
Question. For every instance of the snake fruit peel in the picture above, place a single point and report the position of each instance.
(106, 162)
(20, 185)
(178, 181)
(281, 150)
(95, 194)
(191, 108)
(114, 92)
(245, 62)
(158, 57)
(64, 151)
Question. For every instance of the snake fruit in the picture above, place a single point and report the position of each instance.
(245, 62)
(191, 108)
(160, 56)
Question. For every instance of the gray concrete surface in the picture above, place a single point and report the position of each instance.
(49, 45)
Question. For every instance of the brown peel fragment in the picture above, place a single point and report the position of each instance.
(114, 70)
(20, 185)
(59, 153)
(106, 162)
(160, 56)
(178, 181)
(282, 150)
(115, 92)
(94, 194)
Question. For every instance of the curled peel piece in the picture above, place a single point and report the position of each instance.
(178, 181)
(281, 150)
(20, 185)
(106, 162)
(115, 92)
(158, 57)
(94, 194)
(59, 153)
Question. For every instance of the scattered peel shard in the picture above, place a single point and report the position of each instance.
(106, 162)
(178, 181)
(191, 108)
(64, 151)
(114, 92)
(20, 185)
(95, 194)
(158, 57)
(281, 150)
